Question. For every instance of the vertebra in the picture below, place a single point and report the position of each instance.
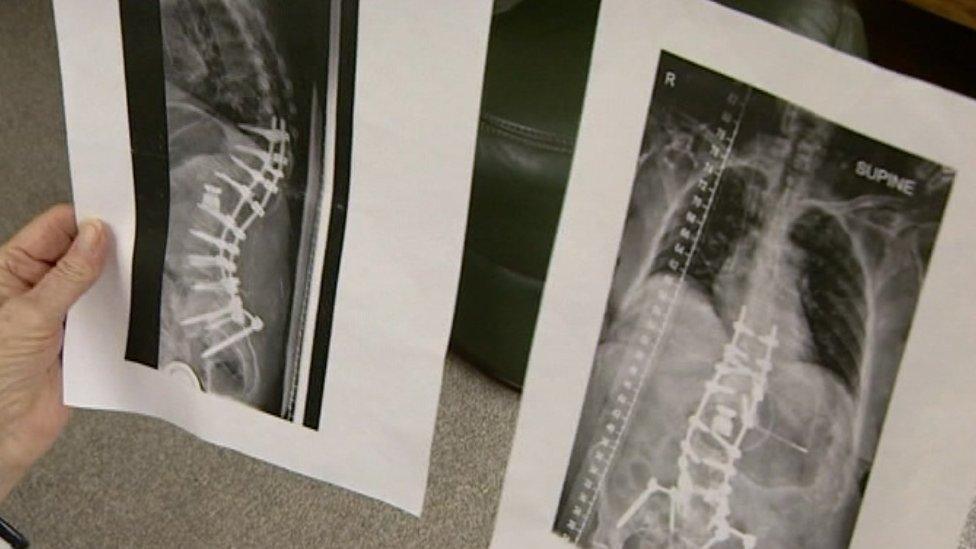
(253, 196)
(712, 445)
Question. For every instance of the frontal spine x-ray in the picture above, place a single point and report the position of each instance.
(767, 276)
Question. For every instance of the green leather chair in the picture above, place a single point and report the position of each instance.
(538, 59)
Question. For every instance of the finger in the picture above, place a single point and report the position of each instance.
(73, 274)
(29, 255)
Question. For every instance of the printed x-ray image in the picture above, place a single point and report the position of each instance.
(227, 102)
(768, 273)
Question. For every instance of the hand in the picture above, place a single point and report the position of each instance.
(44, 269)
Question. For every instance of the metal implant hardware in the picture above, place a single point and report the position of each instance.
(252, 196)
(721, 429)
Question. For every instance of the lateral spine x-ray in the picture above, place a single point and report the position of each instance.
(236, 203)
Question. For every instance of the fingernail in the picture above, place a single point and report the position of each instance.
(89, 235)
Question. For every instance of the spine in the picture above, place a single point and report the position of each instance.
(712, 445)
(250, 196)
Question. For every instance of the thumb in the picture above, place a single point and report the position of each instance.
(74, 273)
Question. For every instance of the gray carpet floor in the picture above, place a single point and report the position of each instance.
(119, 480)
(968, 538)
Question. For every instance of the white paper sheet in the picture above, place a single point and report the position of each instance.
(418, 75)
(726, 144)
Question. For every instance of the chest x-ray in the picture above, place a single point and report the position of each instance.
(765, 286)
(229, 186)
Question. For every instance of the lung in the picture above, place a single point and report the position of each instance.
(831, 287)
(753, 333)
